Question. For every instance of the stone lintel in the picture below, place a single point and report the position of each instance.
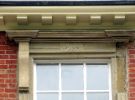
(73, 35)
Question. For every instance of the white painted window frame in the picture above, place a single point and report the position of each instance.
(85, 91)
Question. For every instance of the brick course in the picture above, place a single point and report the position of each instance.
(131, 71)
(8, 61)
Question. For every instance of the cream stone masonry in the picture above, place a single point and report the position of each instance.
(122, 96)
(95, 19)
(1, 20)
(22, 20)
(65, 32)
(23, 68)
(119, 19)
(48, 20)
(74, 36)
(22, 33)
(68, 17)
(71, 20)
(23, 64)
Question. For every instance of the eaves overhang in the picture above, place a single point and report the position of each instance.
(64, 2)
(54, 19)
(67, 17)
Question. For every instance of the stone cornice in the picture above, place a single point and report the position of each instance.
(72, 36)
(68, 10)
(67, 17)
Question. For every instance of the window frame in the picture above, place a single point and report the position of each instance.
(84, 62)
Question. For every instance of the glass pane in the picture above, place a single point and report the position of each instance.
(97, 77)
(47, 96)
(72, 77)
(47, 77)
(98, 96)
(72, 96)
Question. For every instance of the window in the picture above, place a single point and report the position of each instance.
(72, 81)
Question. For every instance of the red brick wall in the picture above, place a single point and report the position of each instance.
(8, 56)
(131, 71)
